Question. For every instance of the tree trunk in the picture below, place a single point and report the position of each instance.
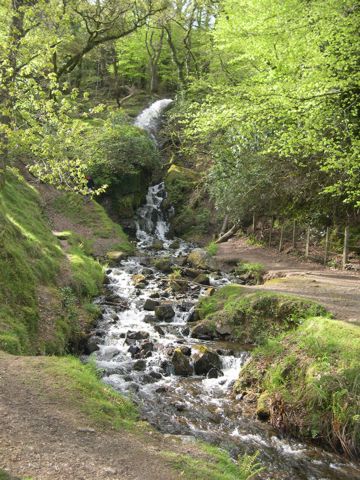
(228, 234)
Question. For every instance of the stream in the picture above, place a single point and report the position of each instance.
(136, 348)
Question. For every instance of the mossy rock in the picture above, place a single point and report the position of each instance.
(238, 315)
(116, 256)
(164, 264)
(199, 258)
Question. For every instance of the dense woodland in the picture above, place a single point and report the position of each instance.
(266, 97)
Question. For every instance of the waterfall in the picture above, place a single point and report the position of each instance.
(150, 118)
(151, 222)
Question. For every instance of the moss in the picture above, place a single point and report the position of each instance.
(253, 317)
(311, 378)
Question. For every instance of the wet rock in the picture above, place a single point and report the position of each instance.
(204, 360)
(133, 387)
(163, 264)
(175, 244)
(107, 281)
(166, 367)
(137, 335)
(210, 291)
(150, 304)
(199, 258)
(159, 330)
(154, 295)
(139, 365)
(134, 350)
(156, 375)
(185, 331)
(203, 279)
(165, 312)
(92, 345)
(203, 331)
(109, 353)
(147, 347)
(139, 280)
(161, 389)
(181, 364)
(108, 271)
(185, 350)
(186, 306)
(147, 271)
(157, 245)
(223, 329)
(180, 407)
(116, 256)
(214, 373)
(147, 378)
(149, 319)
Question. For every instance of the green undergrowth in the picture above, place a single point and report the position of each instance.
(253, 317)
(80, 386)
(251, 271)
(93, 216)
(45, 290)
(30, 256)
(192, 217)
(307, 382)
(216, 465)
(212, 248)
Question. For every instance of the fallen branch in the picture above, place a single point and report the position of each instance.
(228, 234)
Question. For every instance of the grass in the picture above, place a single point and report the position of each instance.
(253, 317)
(32, 263)
(81, 386)
(93, 216)
(30, 256)
(253, 271)
(309, 382)
(215, 465)
(212, 248)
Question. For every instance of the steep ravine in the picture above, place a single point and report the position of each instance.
(143, 340)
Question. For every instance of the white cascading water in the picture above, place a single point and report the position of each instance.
(135, 351)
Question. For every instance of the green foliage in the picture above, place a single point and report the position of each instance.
(212, 248)
(254, 317)
(218, 465)
(120, 150)
(252, 270)
(313, 372)
(278, 115)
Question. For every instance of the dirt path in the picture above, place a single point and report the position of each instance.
(43, 439)
(338, 291)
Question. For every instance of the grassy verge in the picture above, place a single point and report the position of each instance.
(80, 386)
(216, 464)
(93, 216)
(307, 383)
(253, 317)
(46, 289)
(29, 256)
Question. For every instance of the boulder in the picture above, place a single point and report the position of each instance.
(165, 312)
(181, 364)
(163, 264)
(203, 279)
(214, 373)
(116, 256)
(203, 331)
(150, 304)
(199, 258)
(175, 244)
(92, 345)
(139, 365)
(223, 328)
(137, 335)
(149, 319)
(204, 360)
(139, 280)
(157, 245)
(133, 350)
(185, 350)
